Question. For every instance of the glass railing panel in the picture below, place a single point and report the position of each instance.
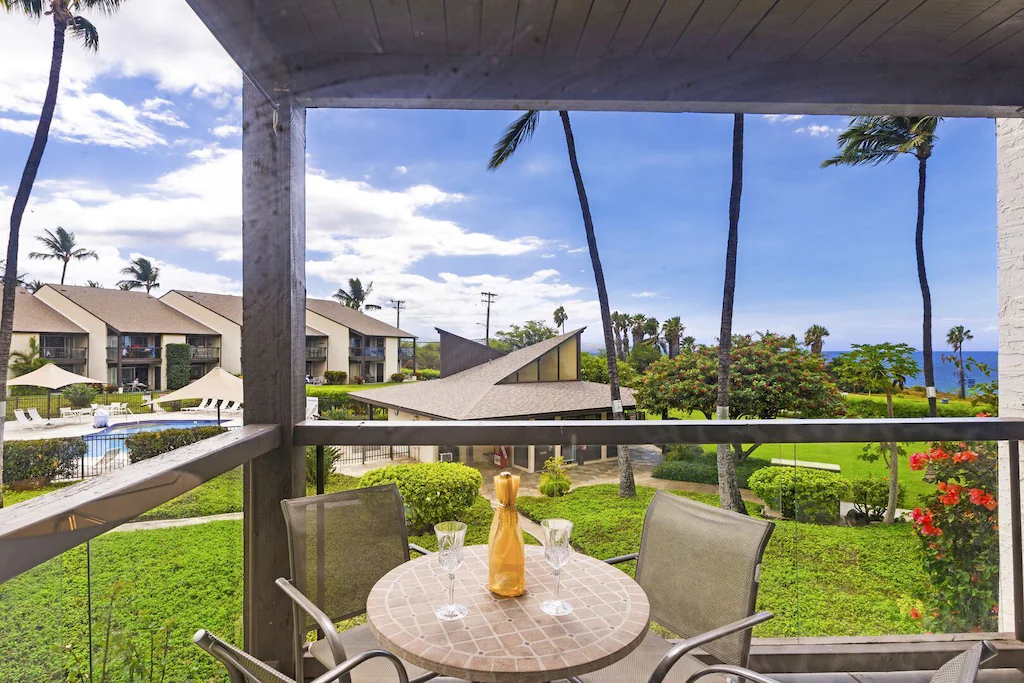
(34, 619)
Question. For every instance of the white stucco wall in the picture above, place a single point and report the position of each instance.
(1010, 180)
(230, 333)
(391, 365)
(337, 340)
(19, 342)
(96, 328)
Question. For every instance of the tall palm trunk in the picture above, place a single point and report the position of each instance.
(963, 375)
(728, 489)
(627, 487)
(28, 178)
(64, 271)
(894, 467)
(926, 295)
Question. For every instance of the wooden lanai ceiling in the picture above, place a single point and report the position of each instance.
(804, 56)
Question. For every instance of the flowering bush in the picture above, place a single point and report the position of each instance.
(959, 533)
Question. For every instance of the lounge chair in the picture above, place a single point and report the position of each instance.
(961, 669)
(24, 420)
(234, 408)
(700, 567)
(244, 668)
(201, 408)
(329, 587)
(38, 419)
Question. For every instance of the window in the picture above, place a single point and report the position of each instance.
(196, 371)
(568, 359)
(549, 366)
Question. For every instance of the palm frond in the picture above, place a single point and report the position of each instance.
(83, 29)
(82, 254)
(875, 140)
(42, 256)
(519, 132)
(372, 307)
(102, 6)
(30, 8)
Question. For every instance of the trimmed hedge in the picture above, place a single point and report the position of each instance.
(704, 470)
(806, 495)
(427, 373)
(335, 376)
(870, 496)
(398, 377)
(867, 407)
(42, 459)
(433, 492)
(145, 445)
(554, 485)
(178, 358)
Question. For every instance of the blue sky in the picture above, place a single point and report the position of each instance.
(145, 160)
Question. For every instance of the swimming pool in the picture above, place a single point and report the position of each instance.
(105, 449)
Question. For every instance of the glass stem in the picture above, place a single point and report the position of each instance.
(451, 590)
(558, 582)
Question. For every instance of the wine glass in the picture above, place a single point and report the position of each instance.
(451, 537)
(556, 552)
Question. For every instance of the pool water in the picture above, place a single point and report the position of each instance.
(106, 450)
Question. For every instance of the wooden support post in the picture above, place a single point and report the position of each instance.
(273, 348)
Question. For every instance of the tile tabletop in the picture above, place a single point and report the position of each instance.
(509, 639)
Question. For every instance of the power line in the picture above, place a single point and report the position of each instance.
(488, 298)
(399, 306)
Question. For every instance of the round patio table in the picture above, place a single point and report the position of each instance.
(505, 640)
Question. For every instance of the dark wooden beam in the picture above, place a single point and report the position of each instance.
(273, 353)
(650, 84)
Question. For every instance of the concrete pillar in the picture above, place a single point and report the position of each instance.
(273, 354)
(1010, 180)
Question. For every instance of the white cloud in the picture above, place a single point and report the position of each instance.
(817, 131)
(577, 250)
(644, 295)
(226, 131)
(401, 170)
(783, 118)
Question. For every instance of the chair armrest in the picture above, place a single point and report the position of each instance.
(621, 558)
(346, 666)
(419, 549)
(740, 672)
(680, 649)
(323, 622)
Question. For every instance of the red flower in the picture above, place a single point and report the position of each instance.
(952, 490)
(938, 454)
(965, 456)
(918, 461)
(979, 497)
(983, 415)
(915, 613)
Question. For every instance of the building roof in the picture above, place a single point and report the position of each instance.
(131, 311)
(230, 307)
(353, 319)
(32, 315)
(475, 394)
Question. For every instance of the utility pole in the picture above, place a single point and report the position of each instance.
(399, 306)
(488, 298)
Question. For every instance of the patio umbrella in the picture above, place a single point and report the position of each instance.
(217, 384)
(50, 377)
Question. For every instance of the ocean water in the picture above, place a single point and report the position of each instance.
(945, 373)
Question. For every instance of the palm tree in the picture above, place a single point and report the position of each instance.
(956, 338)
(62, 247)
(881, 140)
(688, 343)
(356, 295)
(19, 279)
(672, 330)
(618, 325)
(65, 18)
(34, 286)
(520, 131)
(728, 489)
(637, 325)
(24, 362)
(93, 283)
(651, 329)
(560, 317)
(814, 337)
(141, 273)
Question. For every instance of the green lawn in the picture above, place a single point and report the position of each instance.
(817, 580)
(335, 389)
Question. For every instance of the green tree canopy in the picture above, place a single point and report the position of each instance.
(879, 367)
(518, 337)
(594, 368)
(642, 356)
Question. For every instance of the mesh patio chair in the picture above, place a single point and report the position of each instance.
(340, 545)
(961, 669)
(700, 567)
(244, 668)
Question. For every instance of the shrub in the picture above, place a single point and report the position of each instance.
(427, 373)
(807, 495)
(145, 445)
(958, 528)
(870, 496)
(868, 407)
(357, 380)
(398, 377)
(554, 481)
(178, 358)
(335, 376)
(684, 451)
(433, 492)
(41, 460)
(335, 414)
(80, 395)
(331, 457)
(704, 470)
